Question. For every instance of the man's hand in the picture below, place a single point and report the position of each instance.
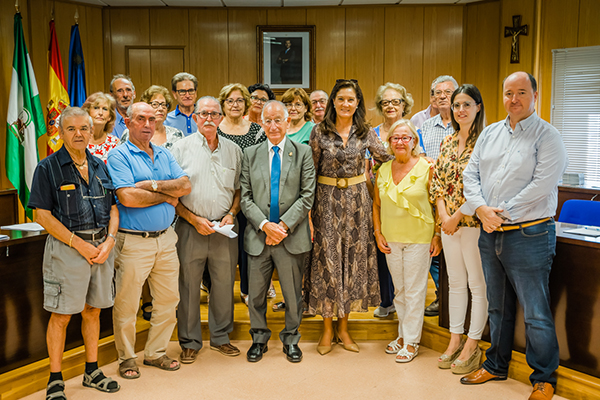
(227, 220)
(489, 217)
(203, 226)
(104, 248)
(275, 233)
(87, 250)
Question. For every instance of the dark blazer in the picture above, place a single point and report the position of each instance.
(296, 195)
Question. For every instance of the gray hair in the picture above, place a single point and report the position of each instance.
(121, 76)
(210, 98)
(441, 79)
(413, 131)
(274, 102)
(320, 91)
(74, 112)
(183, 76)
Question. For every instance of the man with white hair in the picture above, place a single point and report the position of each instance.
(318, 99)
(121, 87)
(213, 164)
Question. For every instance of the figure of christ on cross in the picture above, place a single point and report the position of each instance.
(514, 31)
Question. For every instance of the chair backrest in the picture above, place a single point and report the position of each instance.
(580, 212)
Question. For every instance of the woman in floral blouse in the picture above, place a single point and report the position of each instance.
(101, 107)
(460, 233)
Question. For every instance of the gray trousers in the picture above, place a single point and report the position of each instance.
(196, 252)
(290, 268)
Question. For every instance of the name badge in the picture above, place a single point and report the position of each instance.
(67, 187)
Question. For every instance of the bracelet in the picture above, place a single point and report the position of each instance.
(438, 234)
(112, 236)
(232, 214)
(377, 230)
(71, 240)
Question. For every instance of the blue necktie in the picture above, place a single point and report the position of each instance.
(275, 175)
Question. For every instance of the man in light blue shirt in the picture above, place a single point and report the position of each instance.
(122, 89)
(511, 183)
(148, 183)
(184, 88)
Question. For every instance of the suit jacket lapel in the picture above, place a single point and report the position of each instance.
(287, 157)
(262, 157)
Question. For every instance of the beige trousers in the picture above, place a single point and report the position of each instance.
(138, 259)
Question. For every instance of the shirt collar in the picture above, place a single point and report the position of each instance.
(204, 142)
(178, 112)
(281, 144)
(438, 121)
(120, 120)
(133, 148)
(523, 124)
(65, 158)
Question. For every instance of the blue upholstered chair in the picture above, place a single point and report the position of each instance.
(580, 212)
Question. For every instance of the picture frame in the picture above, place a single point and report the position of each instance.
(286, 57)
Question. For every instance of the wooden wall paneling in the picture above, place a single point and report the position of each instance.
(209, 50)
(165, 63)
(107, 42)
(286, 16)
(442, 38)
(93, 50)
(555, 13)
(138, 68)
(403, 52)
(242, 44)
(589, 15)
(129, 27)
(330, 43)
(482, 41)
(364, 52)
(170, 27)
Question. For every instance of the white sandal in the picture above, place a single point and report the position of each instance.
(409, 356)
(393, 347)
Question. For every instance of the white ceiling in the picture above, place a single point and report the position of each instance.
(260, 3)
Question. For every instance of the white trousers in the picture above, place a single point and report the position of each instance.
(463, 263)
(409, 265)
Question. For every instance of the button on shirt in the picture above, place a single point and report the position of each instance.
(434, 132)
(119, 126)
(517, 171)
(78, 205)
(179, 120)
(214, 175)
(127, 165)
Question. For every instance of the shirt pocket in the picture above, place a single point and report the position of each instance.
(229, 176)
(67, 198)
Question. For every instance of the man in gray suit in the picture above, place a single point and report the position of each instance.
(278, 188)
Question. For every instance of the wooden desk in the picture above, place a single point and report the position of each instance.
(575, 296)
(23, 320)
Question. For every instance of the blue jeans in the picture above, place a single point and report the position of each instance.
(434, 270)
(516, 265)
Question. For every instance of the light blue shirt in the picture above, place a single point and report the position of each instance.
(119, 126)
(517, 171)
(179, 120)
(127, 165)
(432, 134)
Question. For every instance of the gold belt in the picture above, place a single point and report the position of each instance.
(504, 228)
(341, 183)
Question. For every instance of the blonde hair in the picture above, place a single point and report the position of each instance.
(406, 97)
(228, 89)
(292, 93)
(157, 89)
(413, 131)
(95, 99)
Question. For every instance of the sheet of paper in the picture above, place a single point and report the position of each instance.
(29, 227)
(226, 230)
(4, 237)
(584, 231)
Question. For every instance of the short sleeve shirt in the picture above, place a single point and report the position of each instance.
(78, 205)
(179, 120)
(127, 165)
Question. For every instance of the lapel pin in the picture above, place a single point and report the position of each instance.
(290, 153)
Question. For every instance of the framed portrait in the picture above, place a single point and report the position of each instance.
(286, 57)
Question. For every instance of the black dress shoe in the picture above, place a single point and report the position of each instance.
(293, 352)
(255, 352)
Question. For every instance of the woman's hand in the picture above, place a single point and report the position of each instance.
(450, 224)
(382, 243)
(436, 246)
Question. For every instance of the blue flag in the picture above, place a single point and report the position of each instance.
(77, 92)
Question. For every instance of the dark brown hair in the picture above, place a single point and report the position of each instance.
(479, 122)
(358, 119)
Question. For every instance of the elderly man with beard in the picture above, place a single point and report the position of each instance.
(213, 164)
(318, 99)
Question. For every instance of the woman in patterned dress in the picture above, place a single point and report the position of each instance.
(235, 103)
(343, 268)
(161, 100)
(101, 107)
(460, 233)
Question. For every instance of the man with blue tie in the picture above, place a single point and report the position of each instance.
(278, 188)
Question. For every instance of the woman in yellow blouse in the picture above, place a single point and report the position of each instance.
(404, 229)
(460, 233)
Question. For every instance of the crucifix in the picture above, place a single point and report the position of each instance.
(514, 32)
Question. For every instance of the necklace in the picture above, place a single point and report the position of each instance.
(82, 165)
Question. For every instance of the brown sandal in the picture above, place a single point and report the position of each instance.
(163, 362)
(129, 365)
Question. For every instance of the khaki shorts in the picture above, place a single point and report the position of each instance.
(70, 282)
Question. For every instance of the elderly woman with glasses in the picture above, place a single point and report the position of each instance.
(299, 108)
(404, 229)
(235, 102)
(160, 99)
(101, 107)
(259, 95)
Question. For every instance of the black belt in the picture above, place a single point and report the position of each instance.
(154, 234)
(101, 234)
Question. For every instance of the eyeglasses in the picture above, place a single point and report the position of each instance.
(156, 104)
(257, 99)
(183, 92)
(239, 102)
(206, 114)
(277, 121)
(297, 106)
(403, 139)
(447, 92)
(395, 102)
(467, 105)
(319, 101)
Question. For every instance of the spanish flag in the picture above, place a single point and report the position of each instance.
(59, 98)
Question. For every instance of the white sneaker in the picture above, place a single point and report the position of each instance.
(382, 312)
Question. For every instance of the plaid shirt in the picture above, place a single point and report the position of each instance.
(434, 133)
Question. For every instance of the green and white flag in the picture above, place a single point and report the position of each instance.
(25, 121)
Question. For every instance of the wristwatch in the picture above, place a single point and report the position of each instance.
(232, 214)
(154, 185)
